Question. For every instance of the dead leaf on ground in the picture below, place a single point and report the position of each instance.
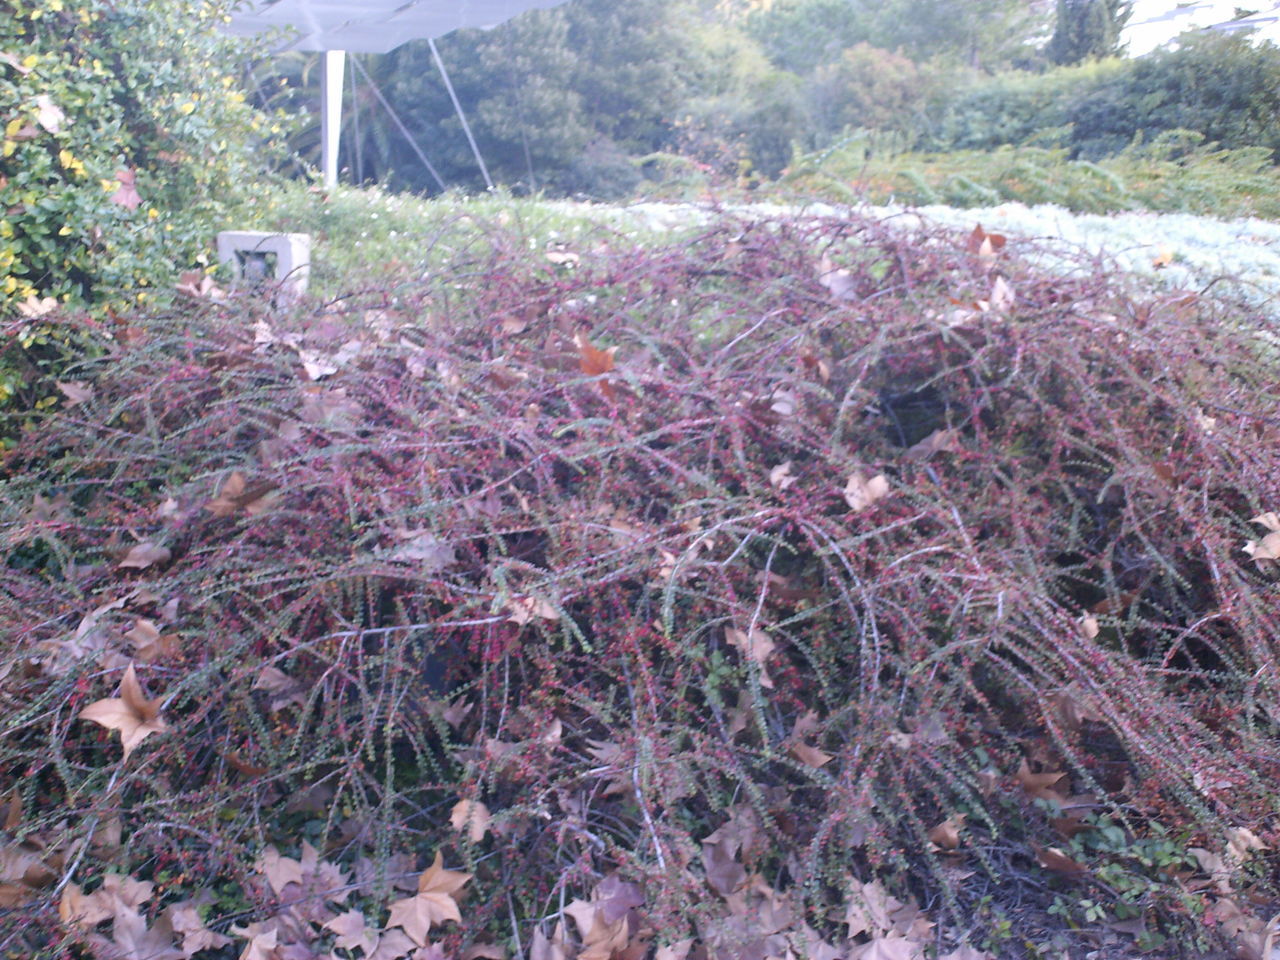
(76, 391)
(596, 363)
(946, 835)
(1040, 785)
(1268, 548)
(756, 645)
(861, 493)
(1055, 860)
(126, 194)
(131, 713)
(48, 114)
(143, 555)
(434, 903)
(238, 495)
(199, 286)
(35, 307)
(472, 816)
(840, 283)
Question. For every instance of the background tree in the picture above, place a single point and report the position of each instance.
(1087, 30)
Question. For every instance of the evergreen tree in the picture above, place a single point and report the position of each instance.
(1088, 30)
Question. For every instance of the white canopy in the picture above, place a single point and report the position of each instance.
(372, 26)
(365, 26)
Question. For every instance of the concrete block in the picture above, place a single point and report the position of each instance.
(258, 258)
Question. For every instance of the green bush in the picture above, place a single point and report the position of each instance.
(1011, 108)
(124, 136)
(1223, 87)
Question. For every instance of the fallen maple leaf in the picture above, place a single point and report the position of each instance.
(810, 755)
(134, 940)
(1051, 858)
(131, 713)
(473, 816)
(946, 835)
(433, 905)
(596, 363)
(34, 307)
(143, 555)
(861, 493)
(75, 391)
(199, 286)
(780, 476)
(1039, 785)
(1268, 548)
(126, 194)
(237, 494)
(48, 114)
(524, 609)
(756, 645)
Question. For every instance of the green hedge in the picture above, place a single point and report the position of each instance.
(125, 134)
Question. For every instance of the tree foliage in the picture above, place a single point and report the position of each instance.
(1087, 30)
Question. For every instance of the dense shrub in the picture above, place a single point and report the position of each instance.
(874, 89)
(1175, 172)
(124, 137)
(869, 564)
(1221, 86)
(1013, 107)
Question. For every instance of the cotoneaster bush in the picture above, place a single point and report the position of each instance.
(807, 587)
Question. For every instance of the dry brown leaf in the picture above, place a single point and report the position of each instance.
(48, 114)
(76, 391)
(352, 932)
(425, 549)
(1268, 548)
(238, 495)
(810, 755)
(946, 835)
(601, 938)
(967, 952)
(433, 904)
(196, 936)
(131, 713)
(78, 909)
(1241, 842)
(596, 363)
(889, 948)
(756, 646)
(199, 286)
(283, 689)
(1054, 859)
(524, 609)
(840, 283)
(940, 441)
(149, 644)
(279, 869)
(861, 493)
(780, 476)
(553, 947)
(472, 816)
(675, 951)
(126, 194)
(1040, 785)
(1002, 298)
(143, 555)
(133, 940)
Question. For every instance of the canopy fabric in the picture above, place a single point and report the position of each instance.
(371, 26)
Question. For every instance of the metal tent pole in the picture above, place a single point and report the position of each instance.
(331, 113)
